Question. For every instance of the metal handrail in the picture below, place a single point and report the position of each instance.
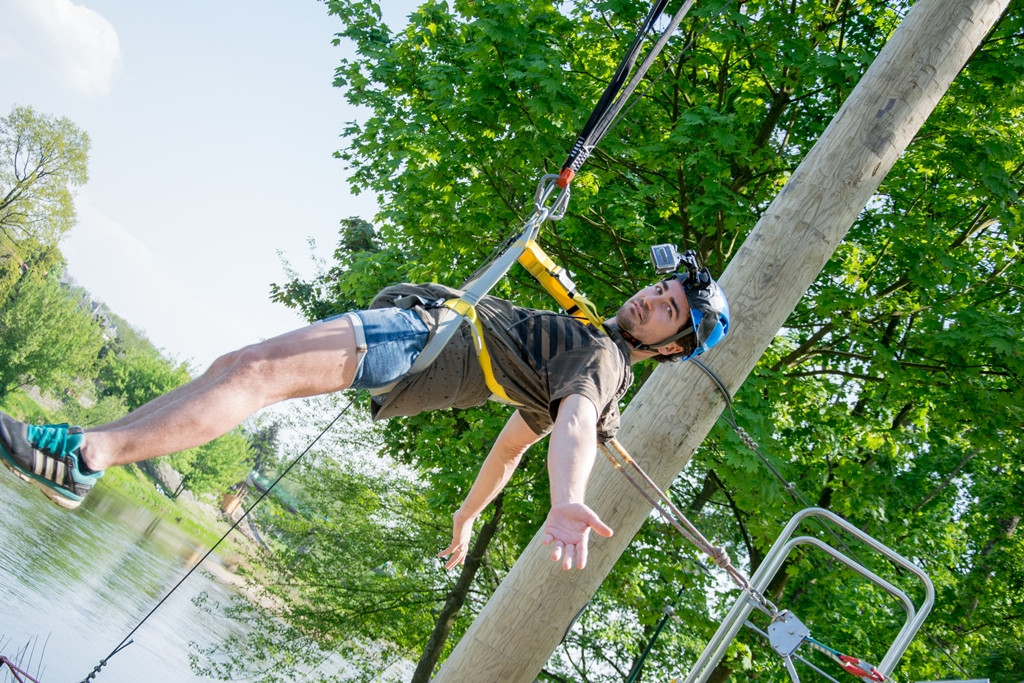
(743, 606)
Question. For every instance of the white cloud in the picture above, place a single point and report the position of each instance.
(74, 42)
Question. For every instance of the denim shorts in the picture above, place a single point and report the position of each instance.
(387, 342)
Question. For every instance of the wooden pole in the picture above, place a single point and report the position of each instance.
(529, 614)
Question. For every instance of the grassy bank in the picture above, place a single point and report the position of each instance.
(199, 522)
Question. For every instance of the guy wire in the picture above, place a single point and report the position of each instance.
(127, 639)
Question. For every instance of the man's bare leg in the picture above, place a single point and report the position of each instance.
(313, 360)
(214, 373)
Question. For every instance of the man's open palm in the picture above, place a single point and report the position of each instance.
(567, 529)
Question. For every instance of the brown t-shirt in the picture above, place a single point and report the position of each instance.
(538, 357)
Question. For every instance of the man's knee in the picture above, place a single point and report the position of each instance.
(316, 359)
(248, 365)
(255, 360)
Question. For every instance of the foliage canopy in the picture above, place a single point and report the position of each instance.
(892, 396)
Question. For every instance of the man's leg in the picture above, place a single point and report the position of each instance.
(313, 360)
(65, 462)
(212, 374)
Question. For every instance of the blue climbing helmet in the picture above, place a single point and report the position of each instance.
(709, 309)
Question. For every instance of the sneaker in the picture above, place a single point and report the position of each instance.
(47, 457)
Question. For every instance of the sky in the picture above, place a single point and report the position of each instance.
(213, 124)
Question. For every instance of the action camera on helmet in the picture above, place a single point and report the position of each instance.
(709, 309)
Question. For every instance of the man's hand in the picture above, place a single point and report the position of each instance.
(567, 528)
(462, 529)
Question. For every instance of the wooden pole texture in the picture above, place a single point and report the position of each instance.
(529, 614)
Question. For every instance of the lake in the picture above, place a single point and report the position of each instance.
(74, 584)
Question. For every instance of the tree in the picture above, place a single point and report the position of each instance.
(214, 467)
(353, 571)
(263, 440)
(42, 160)
(139, 374)
(891, 395)
(49, 338)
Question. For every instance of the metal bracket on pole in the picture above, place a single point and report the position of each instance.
(743, 606)
(786, 633)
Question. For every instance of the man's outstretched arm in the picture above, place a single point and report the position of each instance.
(571, 453)
(513, 441)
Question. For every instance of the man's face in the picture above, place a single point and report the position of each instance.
(656, 312)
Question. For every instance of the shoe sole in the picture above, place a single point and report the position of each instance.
(45, 488)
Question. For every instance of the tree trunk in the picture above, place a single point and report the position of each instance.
(457, 597)
(528, 615)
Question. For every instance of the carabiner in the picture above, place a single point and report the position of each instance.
(546, 187)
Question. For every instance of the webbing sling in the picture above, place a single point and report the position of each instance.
(478, 288)
(558, 284)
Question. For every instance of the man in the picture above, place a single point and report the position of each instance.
(566, 378)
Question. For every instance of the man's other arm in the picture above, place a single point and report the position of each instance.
(513, 441)
(571, 453)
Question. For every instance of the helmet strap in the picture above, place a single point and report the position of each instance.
(640, 346)
(633, 341)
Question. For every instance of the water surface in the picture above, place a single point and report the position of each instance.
(74, 584)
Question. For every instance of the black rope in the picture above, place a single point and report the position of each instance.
(127, 639)
(609, 107)
(587, 138)
(686, 48)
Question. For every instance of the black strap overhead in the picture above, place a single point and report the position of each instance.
(618, 90)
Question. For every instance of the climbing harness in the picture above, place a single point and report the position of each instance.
(468, 312)
(559, 284)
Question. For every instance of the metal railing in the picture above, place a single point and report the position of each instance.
(773, 562)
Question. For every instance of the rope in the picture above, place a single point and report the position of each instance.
(618, 90)
(127, 639)
(851, 665)
(748, 440)
(19, 675)
(750, 443)
(678, 520)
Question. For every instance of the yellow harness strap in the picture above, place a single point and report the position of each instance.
(468, 311)
(556, 281)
